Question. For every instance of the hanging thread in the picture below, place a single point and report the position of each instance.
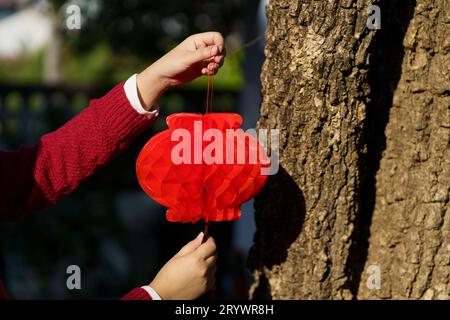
(209, 93)
(209, 98)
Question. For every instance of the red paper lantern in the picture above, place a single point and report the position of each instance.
(187, 175)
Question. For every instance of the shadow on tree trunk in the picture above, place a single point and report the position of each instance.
(287, 213)
(383, 77)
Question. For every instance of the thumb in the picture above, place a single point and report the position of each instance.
(202, 54)
(191, 246)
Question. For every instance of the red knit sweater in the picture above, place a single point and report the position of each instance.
(35, 177)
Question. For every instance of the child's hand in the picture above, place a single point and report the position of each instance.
(199, 54)
(190, 273)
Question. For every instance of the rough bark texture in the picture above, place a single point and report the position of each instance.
(410, 229)
(314, 85)
(364, 152)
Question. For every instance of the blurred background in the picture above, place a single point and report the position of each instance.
(109, 227)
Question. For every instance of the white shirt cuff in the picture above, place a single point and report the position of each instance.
(131, 92)
(152, 293)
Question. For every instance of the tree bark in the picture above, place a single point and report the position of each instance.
(410, 230)
(314, 86)
(350, 194)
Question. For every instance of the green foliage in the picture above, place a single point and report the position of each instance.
(25, 70)
(123, 37)
(229, 77)
(150, 28)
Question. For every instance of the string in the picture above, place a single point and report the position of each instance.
(210, 88)
(209, 93)
(247, 45)
(212, 93)
(209, 97)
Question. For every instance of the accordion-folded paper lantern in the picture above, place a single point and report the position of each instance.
(202, 167)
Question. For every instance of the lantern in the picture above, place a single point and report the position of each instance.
(202, 167)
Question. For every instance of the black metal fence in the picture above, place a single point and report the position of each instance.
(27, 112)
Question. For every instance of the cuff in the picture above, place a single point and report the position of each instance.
(153, 294)
(131, 92)
(137, 294)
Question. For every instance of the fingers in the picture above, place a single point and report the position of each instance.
(211, 69)
(221, 57)
(208, 39)
(206, 49)
(191, 246)
(214, 64)
(211, 261)
(207, 249)
(206, 54)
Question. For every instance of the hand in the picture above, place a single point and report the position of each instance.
(199, 54)
(190, 273)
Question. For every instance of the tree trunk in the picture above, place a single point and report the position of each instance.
(328, 83)
(314, 85)
(410, 230)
